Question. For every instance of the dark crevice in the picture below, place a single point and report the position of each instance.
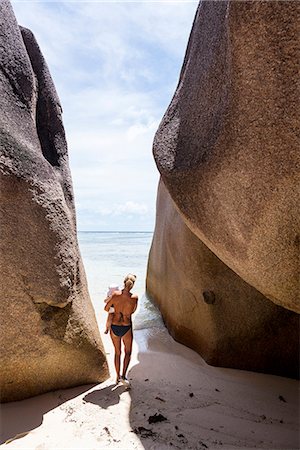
(44, 133)
(48, 110)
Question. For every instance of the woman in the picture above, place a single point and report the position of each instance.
(124, 303)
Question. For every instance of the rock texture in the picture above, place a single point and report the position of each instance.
(228, 153)
(228, 145)
(49, 335)
(209, 308)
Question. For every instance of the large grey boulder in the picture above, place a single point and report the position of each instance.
(228, 145)
(209, 308)
(49, 335)
(227, 150)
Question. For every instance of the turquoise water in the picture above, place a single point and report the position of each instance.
(108, 257)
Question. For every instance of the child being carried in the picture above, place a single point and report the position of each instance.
(111, 290)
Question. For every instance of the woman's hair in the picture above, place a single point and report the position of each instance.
(129, 281)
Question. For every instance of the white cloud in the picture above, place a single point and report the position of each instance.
(129, 207)
(137, 129)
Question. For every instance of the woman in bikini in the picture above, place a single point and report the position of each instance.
(125, 303)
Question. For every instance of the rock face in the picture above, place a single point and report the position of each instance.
(49, 335)
(227, 151)
(209, 308)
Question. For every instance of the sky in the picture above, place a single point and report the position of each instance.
(115, 65)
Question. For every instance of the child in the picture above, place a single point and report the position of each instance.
(111, 290)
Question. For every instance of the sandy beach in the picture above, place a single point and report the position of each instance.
(176, 401)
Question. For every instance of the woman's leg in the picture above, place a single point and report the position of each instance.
(127, 340)
(116, 340)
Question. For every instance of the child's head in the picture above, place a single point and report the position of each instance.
(112, 288)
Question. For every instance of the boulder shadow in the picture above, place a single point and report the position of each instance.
(17, 419)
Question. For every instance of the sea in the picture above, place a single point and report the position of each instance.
(108, 257)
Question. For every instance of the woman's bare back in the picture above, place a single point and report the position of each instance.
(125, 304)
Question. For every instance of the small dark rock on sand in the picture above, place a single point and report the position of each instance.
(107, 430)
(157, 418)
(282, 399)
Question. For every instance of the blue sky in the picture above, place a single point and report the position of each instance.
(115, 66)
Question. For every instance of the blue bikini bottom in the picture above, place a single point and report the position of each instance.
(120, 330)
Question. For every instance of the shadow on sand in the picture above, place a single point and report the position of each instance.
(19, 418)
(105, 397)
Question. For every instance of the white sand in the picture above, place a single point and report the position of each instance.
(205, 407)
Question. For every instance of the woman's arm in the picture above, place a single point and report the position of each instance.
(136, 303)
